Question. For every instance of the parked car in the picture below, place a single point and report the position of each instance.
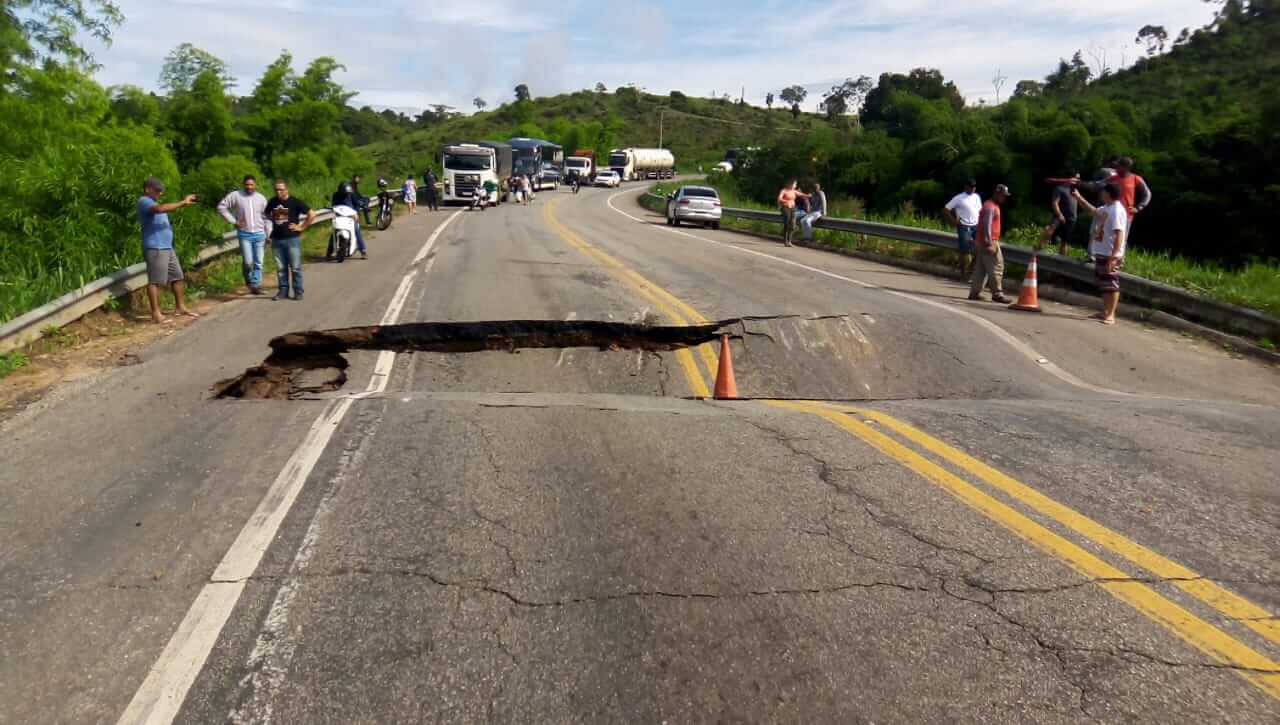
(694, 204)
(608, 177)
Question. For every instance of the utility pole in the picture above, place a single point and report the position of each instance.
(661, 113)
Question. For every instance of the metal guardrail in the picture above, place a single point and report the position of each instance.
(1153, 294)
(29, 327)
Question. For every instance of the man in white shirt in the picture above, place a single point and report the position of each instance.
(246, 209)
(963, 211)
(1107, 246)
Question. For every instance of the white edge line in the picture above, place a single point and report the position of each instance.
(162, 694)
(1004, 335)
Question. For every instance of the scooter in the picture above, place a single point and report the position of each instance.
(479, 198)
(342, 237)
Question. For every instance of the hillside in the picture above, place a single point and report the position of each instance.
(696, 130)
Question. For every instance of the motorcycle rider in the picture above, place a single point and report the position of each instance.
(362, 201)
(346, 196)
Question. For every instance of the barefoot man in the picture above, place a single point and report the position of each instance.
(157, 247)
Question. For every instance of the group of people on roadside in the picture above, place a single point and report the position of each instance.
(281, 219)
(1122, 195)
(800, 209)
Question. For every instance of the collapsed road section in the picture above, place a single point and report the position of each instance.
(304, 363)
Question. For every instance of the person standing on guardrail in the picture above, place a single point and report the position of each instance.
(1064, 211)
(988, 263)
(163, 267)
(817, 210)
(963, 211)
(289, 217)
(787, 205)
(246, 209)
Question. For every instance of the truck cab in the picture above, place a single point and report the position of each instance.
(466, 167)
(582, 166)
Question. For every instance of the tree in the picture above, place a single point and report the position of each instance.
(186, 62)
(32, 30)
(600, 88)
(1154, 37)
(926, 83)
(768, 100)
(131, 104)
(794, 95)
(479, 103)
(1070, 78)
(199, 121)
(1028, 89)
(795, 110)
(847, 97)
(522, 93)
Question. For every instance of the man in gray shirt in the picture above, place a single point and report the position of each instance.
(246, 209)
(817, 209)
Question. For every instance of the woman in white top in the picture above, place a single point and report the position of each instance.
(409, 190)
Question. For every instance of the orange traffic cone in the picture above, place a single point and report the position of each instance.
(1029, 293)
(726, 385)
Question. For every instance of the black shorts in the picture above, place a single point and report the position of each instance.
(1061, 230)
(1108, 281)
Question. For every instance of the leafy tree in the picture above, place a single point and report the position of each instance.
(522, 93)
(199, 121)
(131, 104)
(600, 88)
(1071, 78)
(1154, 37)
(479, 103)
(217, 175)
(847, 97)
(1028, 89)
(794, 95)
(186, 62)
(927, 83)
(47, 30)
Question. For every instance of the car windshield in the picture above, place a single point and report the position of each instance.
(467, 162)
(699, 191)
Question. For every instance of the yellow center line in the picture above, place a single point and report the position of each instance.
(1225, 601)
(1254, 666)
(1216, 643)
(658, 297)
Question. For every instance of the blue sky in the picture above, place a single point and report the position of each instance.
(411, 54)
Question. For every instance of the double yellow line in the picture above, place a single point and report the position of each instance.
(1250, 664)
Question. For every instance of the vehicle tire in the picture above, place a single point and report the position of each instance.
(342, 250)
(384, 219)
(715, 225)
(675, 221)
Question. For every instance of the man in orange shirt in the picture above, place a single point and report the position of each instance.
(988, 264)
(787, 205)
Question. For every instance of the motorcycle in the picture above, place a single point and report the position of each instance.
(386, 203)
(479, 198)
(342, 236)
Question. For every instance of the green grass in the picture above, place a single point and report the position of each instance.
(11, 362)
(1256, 286)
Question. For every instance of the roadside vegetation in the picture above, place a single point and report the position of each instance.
(76, 153)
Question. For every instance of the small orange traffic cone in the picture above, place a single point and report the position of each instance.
(1029, 293)
(726, 385)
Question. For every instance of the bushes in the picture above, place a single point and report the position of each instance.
(219, 175)
(304, 164)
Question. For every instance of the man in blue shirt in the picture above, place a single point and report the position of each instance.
(163, 267)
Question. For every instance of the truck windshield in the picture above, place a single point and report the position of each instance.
(617, 159)
(576, 163)
(467, 162)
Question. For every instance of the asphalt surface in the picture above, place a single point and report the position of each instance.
(1015, 518)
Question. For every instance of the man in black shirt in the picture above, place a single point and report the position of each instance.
(362, 202)
(289, 218)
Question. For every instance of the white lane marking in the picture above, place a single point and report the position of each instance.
(1019, 346)
(165, 689)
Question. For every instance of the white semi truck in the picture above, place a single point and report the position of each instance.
(636, 164)
(468, 165)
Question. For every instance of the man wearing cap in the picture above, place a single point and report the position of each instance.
(963, 210)
(163, 267)
(988, 263)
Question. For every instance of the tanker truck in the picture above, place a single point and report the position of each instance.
(636, 164)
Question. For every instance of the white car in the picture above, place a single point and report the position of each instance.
(608, 177)
(694, 204)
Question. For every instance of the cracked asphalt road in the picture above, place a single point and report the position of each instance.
(564, 536)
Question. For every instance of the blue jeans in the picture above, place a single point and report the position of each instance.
(806, 224)
(965, 236)
(288, 253)
(252, 245)
(359, 239)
